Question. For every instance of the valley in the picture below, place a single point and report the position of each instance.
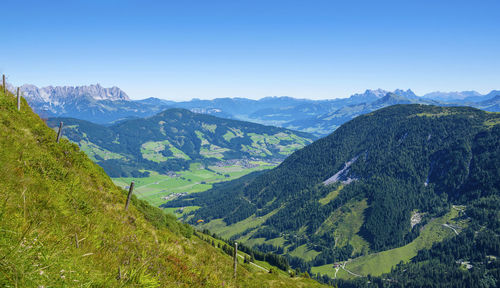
(158, 189)
(341, 208)
(63, 223)
(180, 152)
(250, 144)
(357, 197)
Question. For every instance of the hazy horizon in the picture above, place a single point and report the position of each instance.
(258, 97)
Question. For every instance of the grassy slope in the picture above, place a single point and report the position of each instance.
(379, 263)
(51, 192)
(346, 221)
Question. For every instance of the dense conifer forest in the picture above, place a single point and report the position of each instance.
(401, 160)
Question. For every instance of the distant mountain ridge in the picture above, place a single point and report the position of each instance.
(92, 103)
(57, 94)
(320, 117)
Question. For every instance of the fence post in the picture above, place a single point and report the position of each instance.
(3, 83)
(18, 100)
(235, 257)
(130, 191)
(59, 133)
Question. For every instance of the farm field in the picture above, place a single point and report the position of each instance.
(198, 178)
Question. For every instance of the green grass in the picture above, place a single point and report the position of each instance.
(261, 143)
(446, 112)
(346, 222)
(213, 151)
(92, 150)
(52, 192)
(200, 136)
(220, 228)
(492, 122)
(228, 136)
(196, 179)
(379, 263)
(151, 151)
(330, 196)
(304, 253)
(177, 213)
(209, 127)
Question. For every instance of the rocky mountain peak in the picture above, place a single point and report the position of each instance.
(59, 94)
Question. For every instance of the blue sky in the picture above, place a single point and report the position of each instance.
(206, 49)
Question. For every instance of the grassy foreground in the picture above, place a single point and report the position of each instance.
(63, 223)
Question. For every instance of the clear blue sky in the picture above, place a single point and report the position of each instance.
(207, 49)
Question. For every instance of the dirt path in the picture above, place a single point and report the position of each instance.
(449, 226)
(352, 273)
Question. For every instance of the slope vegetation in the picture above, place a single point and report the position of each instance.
(383, 168)
(63, 223)
(176, 138)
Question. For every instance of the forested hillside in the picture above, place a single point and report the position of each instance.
(381, 181)
(174, 139)
(63, 223)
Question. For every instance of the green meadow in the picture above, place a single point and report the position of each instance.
(197, 179)
(377, 264)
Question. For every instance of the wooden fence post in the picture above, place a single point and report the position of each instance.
(59, 133)
(18, 100)
(3, 83)
(76, 241)
(130, 191)
(235, 257)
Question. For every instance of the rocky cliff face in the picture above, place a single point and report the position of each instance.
(92, 103)
(60, 94)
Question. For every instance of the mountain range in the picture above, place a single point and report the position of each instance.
(388, 199)
(320, 117)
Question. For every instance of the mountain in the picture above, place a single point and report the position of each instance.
(451, 96)
(328, 122)
(310, 116)
(463, 97)
(92, 103)
(59, 95)
(492, 104)
(492, 94)
(176, 138)
(368, 96)
(110, 105)
(407, 94)
(63, 224)
(377, 190)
